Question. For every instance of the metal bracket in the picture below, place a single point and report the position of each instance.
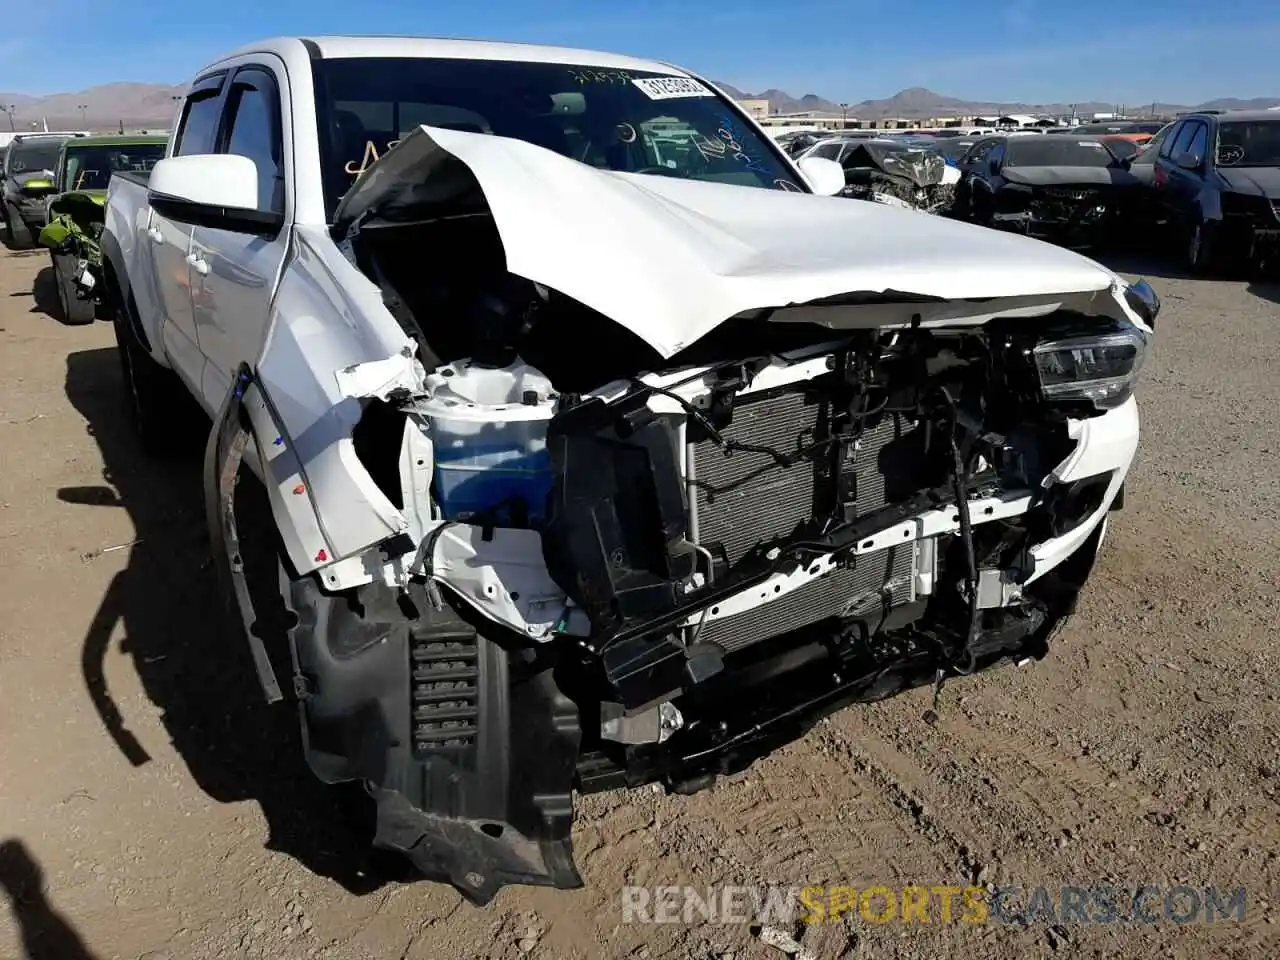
(223, 455)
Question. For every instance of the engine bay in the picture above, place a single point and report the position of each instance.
(771, 479)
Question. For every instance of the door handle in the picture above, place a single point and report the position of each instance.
(155, 234)
(198, 263)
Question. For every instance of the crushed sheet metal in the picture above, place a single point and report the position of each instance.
(400, 373)
(504, 577)
(683, 256)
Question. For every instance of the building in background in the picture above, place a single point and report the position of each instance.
(758, 109)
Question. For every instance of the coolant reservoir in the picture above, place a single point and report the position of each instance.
(489, 431)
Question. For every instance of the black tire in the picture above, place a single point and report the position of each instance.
(161, 409)
(74, 311)
(1200, 253)
(19, 233)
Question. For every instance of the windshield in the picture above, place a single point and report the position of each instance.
(1249, 143)
(91, 167)
(1064, 152)
(28, 155)
(626, 120)
(1122, 148)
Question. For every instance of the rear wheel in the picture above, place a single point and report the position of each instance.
(73, 309)
(159, 405)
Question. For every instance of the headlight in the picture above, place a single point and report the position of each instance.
(1102, 368)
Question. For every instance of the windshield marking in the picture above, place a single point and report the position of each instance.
(584, 77)
(670, 88)
(371, 155)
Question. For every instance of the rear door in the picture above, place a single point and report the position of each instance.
(170, 241)
(235, 274)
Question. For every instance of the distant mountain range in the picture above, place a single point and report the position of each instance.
(919, 102)
(141, 104)
(98, 108)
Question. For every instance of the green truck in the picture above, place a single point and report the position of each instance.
(73, 213)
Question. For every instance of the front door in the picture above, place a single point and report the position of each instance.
(234, 275)
(170, 241)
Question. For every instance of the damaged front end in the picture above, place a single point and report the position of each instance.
(914, 179)
(73, 235)
(615, 553)
(1084, 214)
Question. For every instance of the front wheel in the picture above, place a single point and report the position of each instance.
(19, 233)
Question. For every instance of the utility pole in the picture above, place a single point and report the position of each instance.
(8, 112)
(82, 108)
(844, 116)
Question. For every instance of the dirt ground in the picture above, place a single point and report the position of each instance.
(151, 805)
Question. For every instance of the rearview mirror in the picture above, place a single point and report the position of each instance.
(1188, 160)
(826, 177)
(216, 190)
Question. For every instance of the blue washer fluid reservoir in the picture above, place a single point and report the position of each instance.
(489, 431)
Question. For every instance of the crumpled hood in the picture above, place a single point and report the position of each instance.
(1069, 176)
(1252, 181)
(671, 259)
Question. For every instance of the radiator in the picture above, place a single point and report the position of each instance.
(773, 501)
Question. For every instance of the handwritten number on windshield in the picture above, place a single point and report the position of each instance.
(727, 145)
(584, 77)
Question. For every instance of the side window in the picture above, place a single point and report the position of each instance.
(977, 153)
(199, 126)
(1167, 148)
(828, 151)
(1199, 144)
(1183, 141)
(996, 155)
(253, 131)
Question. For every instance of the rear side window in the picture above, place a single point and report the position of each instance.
(199, 126)
(1173, 137)
(1185, 136)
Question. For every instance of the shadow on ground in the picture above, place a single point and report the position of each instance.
(45, 933)
(192, 661)
(1266, 290)
(43, 289)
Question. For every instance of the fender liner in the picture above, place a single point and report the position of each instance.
(223, 455)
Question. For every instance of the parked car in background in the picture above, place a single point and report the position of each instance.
(1062, 187)
(27, 180)
(491, 377)
(74, 214)
(899, 172)
(1217, 176)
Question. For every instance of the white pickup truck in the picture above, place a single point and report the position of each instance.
(601, 450)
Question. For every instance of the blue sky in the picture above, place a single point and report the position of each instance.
(1184, 51)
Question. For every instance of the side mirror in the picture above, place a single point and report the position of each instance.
(826, 177)
(216, 190)
(1188, 160)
